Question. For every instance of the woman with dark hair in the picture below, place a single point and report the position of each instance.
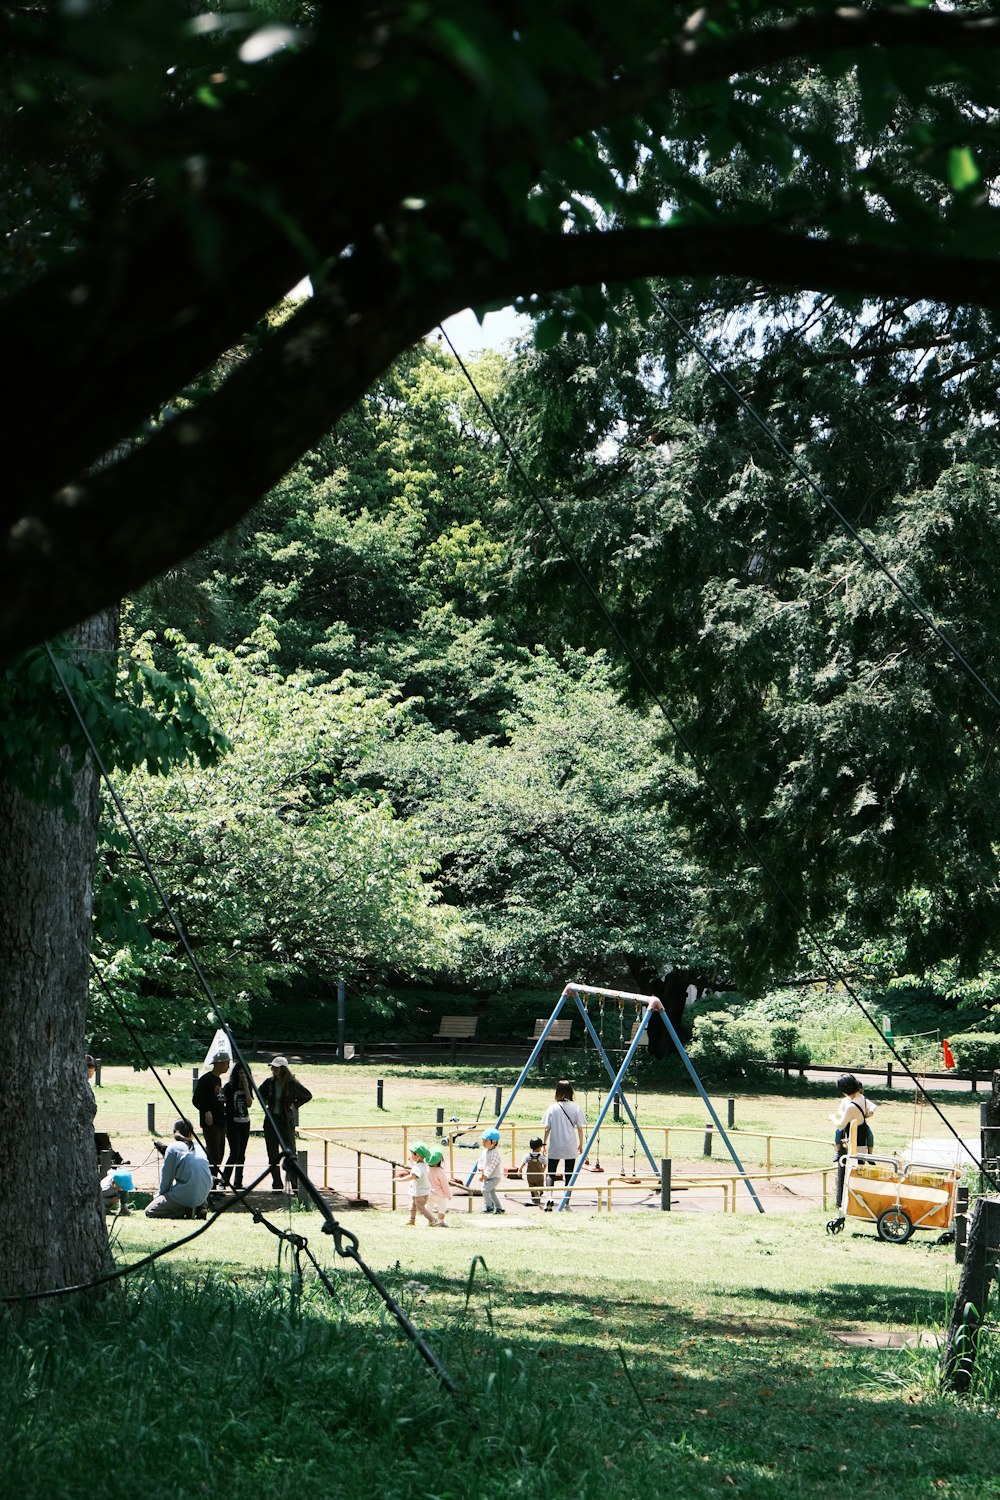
(854, 1109)
(237, 1092)
(563, 1124)
(185, 1178)
(282, 1095)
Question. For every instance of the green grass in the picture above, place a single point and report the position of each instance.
(632, 1356)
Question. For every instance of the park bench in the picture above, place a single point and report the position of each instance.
(561, 1031)
(455, 1029)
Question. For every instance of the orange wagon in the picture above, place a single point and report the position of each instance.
(897, 1197)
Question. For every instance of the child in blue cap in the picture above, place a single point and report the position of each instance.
(489, 1169)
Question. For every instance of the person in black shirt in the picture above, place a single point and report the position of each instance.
(207, 1099)
(237, 1093)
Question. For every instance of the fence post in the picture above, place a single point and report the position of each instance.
(439, 1127)
(888, 1074)
(973, 1294)
(665, 1184)
(97, 1072)
(616, 1110)
(379, 1086)
(341, 1016)
(498, 1102)
(708, 1141)
(730, 1113)
(302, 1163)
(151, 1118)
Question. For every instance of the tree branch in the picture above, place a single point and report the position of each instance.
(195, 478)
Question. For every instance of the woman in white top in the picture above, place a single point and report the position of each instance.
(563, 1123)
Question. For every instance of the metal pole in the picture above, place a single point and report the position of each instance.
(693, 1074)
(340, 1020)
(536, 1049)
(665, 1184)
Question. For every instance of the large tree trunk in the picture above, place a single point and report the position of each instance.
(52, 1230)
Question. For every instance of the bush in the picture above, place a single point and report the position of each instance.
(977, 1051)
(786, 1046)
(722, 1047)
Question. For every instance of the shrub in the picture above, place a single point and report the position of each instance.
(976, 1050)
(722, 1047)
(786, 1046)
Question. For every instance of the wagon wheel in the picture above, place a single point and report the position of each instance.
(895, 1226)
(834, 1226)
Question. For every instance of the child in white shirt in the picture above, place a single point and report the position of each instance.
(489, 1169)
(419, 1179)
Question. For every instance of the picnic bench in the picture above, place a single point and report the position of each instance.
(455, 1029)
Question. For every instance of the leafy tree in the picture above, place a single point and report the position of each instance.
(415, 160)
(818, 705)
(277, 864)
(555, 841)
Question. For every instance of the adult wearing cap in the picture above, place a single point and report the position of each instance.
(208, 1101)
(282, 1096)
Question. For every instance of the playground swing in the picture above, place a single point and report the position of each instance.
(646, 1004)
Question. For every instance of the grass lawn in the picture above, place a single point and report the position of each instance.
(632, 1355)
(635, 1356)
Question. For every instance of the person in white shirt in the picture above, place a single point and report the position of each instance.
(563, 1124)
(419, 1178)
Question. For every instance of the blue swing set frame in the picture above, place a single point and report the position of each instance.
(576, 992)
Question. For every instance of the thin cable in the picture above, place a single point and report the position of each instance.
(721, 797)
(345, 1242)
(123, 1018)
(830, 504)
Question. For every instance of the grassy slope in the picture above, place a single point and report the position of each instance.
(724, 1325)
(629, 1356)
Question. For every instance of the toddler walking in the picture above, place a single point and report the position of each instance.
(533, 1167)
(489, 1169)
(440, 1188)
(418, 1177)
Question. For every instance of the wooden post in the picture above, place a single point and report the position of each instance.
(439, 1127)
(961, 1223)
(888, 1075)
(302, 1162)
(665, 1184)
(730, 1113)
(707, 1148)
(498, 1101)
(151, 1118)
(972, 1296)
(379, 1090)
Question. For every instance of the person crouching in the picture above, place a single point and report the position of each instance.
(185, 1178)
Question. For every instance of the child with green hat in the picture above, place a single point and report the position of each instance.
(418, 1177)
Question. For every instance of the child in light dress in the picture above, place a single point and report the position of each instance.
(440, 1188)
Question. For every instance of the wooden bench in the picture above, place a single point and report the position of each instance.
(455, 1029)
(561, 1031)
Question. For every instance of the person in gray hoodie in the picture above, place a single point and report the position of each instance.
(185, 1178)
